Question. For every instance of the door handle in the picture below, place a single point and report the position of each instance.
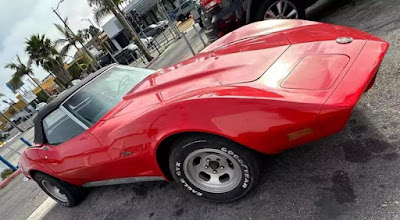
(45, 148)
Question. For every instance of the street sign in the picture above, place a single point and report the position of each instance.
(28, 97)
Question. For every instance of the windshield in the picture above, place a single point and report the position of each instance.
(98, 97)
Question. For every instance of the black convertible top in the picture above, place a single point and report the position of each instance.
(40, 137)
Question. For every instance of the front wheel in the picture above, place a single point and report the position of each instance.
(64, 193)
(280, 9)
(213, 168)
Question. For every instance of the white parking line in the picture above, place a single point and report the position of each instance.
(43, 209)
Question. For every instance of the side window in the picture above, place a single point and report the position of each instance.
(58, 127)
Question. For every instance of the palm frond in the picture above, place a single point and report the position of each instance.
(61, 41)
(61, 29)
(100, 12)
(65, 49)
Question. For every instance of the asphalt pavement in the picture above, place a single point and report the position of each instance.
(351, 175)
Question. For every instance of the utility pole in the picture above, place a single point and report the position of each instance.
(121, 18)
(80, 41)
(9, 121)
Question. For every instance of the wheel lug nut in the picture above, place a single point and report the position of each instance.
(214, 171)
(222, 167)
(208, 159)
(206, 166)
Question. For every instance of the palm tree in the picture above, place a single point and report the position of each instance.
(43, 52)
(101, 10)
(105, 7)
(21, 69)
(70, 40)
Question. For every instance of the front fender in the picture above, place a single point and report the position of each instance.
(30, 161)
(258, 123)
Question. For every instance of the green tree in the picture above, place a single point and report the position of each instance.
(101, 9)
(105, 7)
(20, 70)
(43, 52)
(70, 40)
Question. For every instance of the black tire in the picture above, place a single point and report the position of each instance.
(244, 160)
(267, 3)
(74, 194)
(181, 18)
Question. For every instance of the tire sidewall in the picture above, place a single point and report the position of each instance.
(266, 4)
(63, 188)
(242, 157)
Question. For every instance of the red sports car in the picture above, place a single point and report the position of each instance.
(263, 88)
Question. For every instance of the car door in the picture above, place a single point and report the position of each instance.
(71, 153)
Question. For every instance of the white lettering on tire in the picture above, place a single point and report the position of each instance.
(197, 193)
(241, 162)
(178, 169)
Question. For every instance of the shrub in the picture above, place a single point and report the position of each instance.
(6, 173)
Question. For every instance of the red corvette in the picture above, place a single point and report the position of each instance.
(263, 88)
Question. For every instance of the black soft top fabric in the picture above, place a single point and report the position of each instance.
(40, 137)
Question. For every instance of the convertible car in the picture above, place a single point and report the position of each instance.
(264, 88)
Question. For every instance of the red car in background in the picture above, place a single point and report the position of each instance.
(264, 88)
(223, 16)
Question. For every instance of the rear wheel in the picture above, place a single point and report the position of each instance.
(64, 193)
(280, 9)
(213, 168)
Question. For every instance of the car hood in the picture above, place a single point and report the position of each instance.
(232, 64)
(247, 53)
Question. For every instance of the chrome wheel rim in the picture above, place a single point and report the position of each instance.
(212, 170)
(54, 191)
(282, 10)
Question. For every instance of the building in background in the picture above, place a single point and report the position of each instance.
(148, 14)
(28, 99)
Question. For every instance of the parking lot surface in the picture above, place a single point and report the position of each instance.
(351, 175)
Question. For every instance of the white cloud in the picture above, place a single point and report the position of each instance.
(22, 18)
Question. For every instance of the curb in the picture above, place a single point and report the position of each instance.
(11, 177)
(151, 62)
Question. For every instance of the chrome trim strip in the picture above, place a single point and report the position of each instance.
(71, 116)
(123, 181)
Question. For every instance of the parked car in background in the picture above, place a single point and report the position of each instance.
(154, 29)
(183, 11)
(4, 135)
(41, 105)
(202, 122)
(223, 16)
(131, 52)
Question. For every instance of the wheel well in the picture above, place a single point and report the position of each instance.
(32, 173)
(165, 147)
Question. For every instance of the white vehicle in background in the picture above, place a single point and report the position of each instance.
(40, 105)
(146, 41)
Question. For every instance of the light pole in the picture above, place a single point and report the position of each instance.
(12, 123)
(73, 35)
(87, 19)
(12, 103)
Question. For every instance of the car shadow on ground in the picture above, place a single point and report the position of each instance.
(324, 8)
(341, 175)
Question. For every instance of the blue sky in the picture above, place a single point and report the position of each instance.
(19, 19)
